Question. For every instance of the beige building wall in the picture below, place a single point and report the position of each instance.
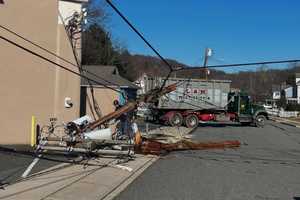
(105, 98)
(67, 85)
(29, 85)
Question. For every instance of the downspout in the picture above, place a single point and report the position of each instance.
(57, 70)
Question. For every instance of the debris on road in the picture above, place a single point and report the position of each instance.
(169, 139)
(84, 135)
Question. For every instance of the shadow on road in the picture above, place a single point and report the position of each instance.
(222, 125)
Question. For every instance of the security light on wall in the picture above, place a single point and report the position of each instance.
(68, 102)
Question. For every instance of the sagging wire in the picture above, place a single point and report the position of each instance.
(167, 63)
(73, 28)
(72, 175)
(90, 106)
(90, 172)
(179, 83)
(65, 60)
(54, 63)
(33, 154)
(245, 64)
(57, 64)
(145, 40)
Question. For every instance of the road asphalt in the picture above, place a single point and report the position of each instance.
(265, 167)
(13, 164)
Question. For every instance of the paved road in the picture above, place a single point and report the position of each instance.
(266, 167)
(13, 164)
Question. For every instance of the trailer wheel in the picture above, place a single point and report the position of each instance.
(191, 121)
(176, 120)
(260, 121)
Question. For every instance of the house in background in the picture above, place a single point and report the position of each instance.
(297, 75)
(105, 76)
(292, 91)
(141, 83)
(29, 85)
(291, 94)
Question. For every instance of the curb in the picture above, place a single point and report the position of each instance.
(126, 182)
(286, 123)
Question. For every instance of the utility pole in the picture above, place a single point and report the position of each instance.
(208, 53)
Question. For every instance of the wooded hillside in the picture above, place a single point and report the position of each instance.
(99, 48)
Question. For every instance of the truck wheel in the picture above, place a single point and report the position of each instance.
(191, 121)
(260, 121)
(176, 120)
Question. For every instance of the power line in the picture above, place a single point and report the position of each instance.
(144, 39)
(170, 67)
(70, 35)
(230, 69)
(57, 56)
(63, 67)
(139, 34)
(242, 64)
(37, 45)
(54, 63)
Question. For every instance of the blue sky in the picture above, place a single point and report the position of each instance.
(237, 31)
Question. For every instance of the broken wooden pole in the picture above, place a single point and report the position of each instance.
(83, 150)
(154, 147)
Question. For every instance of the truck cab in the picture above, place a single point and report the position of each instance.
(245, 111)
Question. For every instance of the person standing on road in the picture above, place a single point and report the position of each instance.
(123, 125)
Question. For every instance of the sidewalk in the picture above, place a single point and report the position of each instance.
(79, 182)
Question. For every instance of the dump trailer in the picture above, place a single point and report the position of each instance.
(201, 101)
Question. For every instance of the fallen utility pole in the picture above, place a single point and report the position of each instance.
(157, 148)
(149, 97)
(76, 137)
(84, 150)
(162, 140)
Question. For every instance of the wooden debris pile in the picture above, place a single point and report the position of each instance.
(169, 139)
